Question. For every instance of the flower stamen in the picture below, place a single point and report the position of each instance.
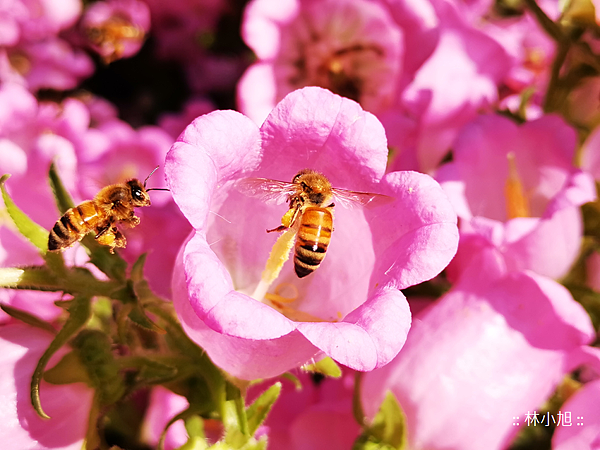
(517, 204)
(280, 253)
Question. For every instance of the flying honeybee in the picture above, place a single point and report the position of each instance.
(311, 200)
(113, 204)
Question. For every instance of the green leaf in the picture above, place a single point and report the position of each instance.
(76, 281)
(325, 366)
(388, 430)
(64, 201)
(257, 412)
(35, 233)
(79, 313)
(27, 318)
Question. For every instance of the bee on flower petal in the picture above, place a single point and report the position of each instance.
(310, 215)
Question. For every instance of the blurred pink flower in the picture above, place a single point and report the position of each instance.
(34, 20)
(529, 47)
(475, 362)
(48, 64)
(584, 429)
(352, 47)
(316, 417)
(457, 82)
(26, 151)
(387, 55)
(32, 53)
(590, 153)
(163, 406)
(518, 194)
(351, 308)
(67, 405)
(116, 29)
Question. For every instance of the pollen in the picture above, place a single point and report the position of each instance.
(280, 253)
(517, 203)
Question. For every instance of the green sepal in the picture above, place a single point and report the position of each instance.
(27, 318)
(79, 313)
(110, 264)
(134, 295)
(235, 398)
(204, 385)
(152, 371)
(388, 429)
(69, 369)
(139, 317)
(257, 412)
(94, 349)
(357, 409)
(35, 233)
(325, 366)
(293, 378)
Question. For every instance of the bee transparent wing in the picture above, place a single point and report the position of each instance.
(351, 199)
(269, 191)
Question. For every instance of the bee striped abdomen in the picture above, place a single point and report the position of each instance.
(314, 235)
(73, 225)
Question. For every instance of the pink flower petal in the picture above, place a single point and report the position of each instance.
(584, 429)
(446, 369)
(338, 310)
(67, 405)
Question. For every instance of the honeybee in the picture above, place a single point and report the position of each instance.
(311, 200)
(112, 35)
(113, 204)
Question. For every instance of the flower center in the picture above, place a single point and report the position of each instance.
(280, 253)
(20, 62)
(353, 58)
(517, 203)
(284, 293)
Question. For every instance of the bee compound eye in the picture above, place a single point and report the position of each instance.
(137, 194)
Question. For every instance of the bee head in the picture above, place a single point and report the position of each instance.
(139, 196)
(315, 185)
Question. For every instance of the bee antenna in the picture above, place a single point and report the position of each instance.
(155, 169)
(157, 189)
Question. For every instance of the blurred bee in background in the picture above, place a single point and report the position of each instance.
(311, 200)
(113, 204)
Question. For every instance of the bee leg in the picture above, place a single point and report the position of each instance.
(131, 221)
(288, 219)
(120, 241)
(279, 228)
(111, 237)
